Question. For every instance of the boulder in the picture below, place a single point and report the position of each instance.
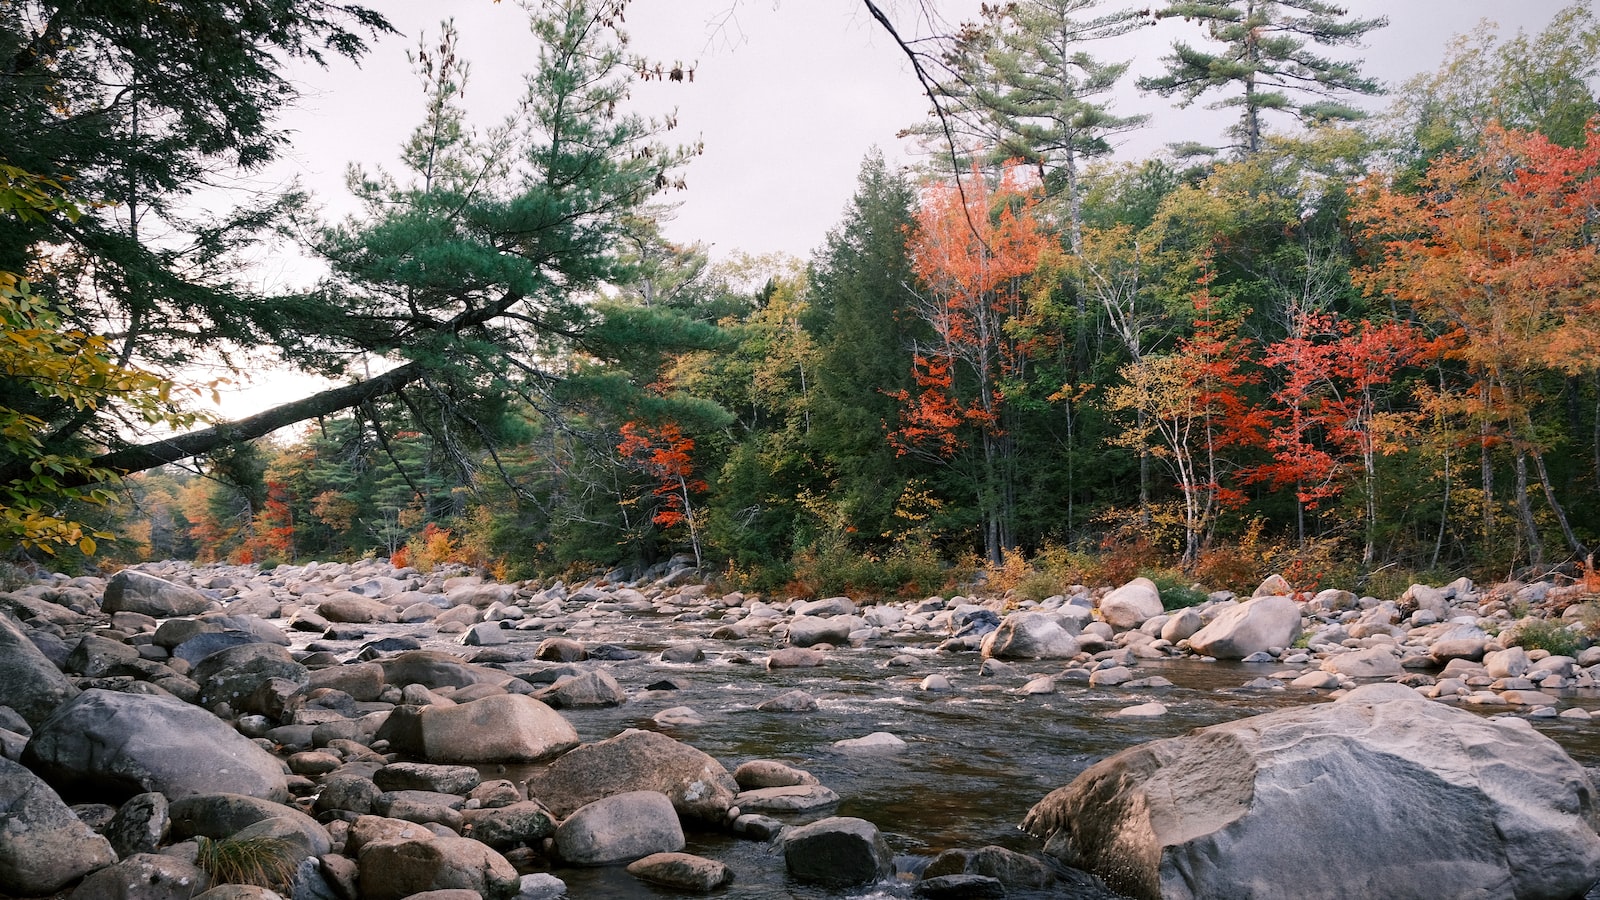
(133, 591)
(682, 872)
(1374, 662)
(1182, 625)
(1411, 799)
(354, 609)
(620, 828)
(768, 773)
(145, 876)
(404, 776)
(391, 870)
(806, 631)
(29, 682)
(591, 689)
(126, 744)
(1266, 622)
(837, 852)
(503, 827)
(795, 658)
(43, 846)
(697, 785)
(140, 825)
(1030, 635)
(500, 728)
(434, 669)
(1130, 605)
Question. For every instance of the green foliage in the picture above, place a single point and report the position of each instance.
(833, 567)
(1177, 589)
(1546, 634)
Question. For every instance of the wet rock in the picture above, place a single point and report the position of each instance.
(126, 744)
(1413, 799)
(697, 785)
(807, 631)
(789, 701)
(589, 690)
(1009, 867)
(133, 591)
(619, 828)
(958, 887)
(405, 776)
(876, 742)
(795, 658)
(43, 846)
(791, 798)
(1373, 662)
(681, 871)
(561, 650)
(765, 773)
(837, 852)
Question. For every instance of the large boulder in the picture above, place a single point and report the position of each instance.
(500, 728)
(133, 591)
(125, 744)
(1030, 635)
(434, 669)
(393, 869)
(145, 876)
(837, 852)
(806, 631)
(1378, 795)
(29, 682)
(1263, 623)
(355, 609)
(43, 846)
(1130, 605)
(699, 787)
(619, 828)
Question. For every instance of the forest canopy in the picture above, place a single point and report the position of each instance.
(1324, 344)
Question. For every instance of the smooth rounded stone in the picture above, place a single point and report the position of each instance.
(1253, 626)
(485, 634)
(240, 892)
(405, 776)
(757, 827)
(125, 744)
(619, 828)
(807, 631)
(140, 825)
(1372, 662)
(1142, 711)
(876, 742)
(795, 658)
(502, 728)
(827, 606)
(95, 656)
(767, 773)
(417, 695)
(345, 608)
(145, 876)
(541, 886)
(789, 701)
(837, 852)
(30, 683)
(504, 827)
(434, 669)
(211, 639)
(590, 690)
(1470, 648)
(300, 833)
(247, 687)
(633, 761)
(1182, 625)
(1030, 635)
(1009, 867)
(1577, 712)
(312, 763)
(936, 683)
(1151, 683)
(958, 887)
(1130, 605)
(681, 871)
(1511, 662)
(683, 653)
(1110, 676)
(219, 816)
(43, 845)
(494, 794)
(1529, 698)
(1413, 799)
(1273, 585)
(379, 829)
(1316, 681)
(789, 798)
(422, 807)
(133, 591)
(1042, 684)
(561, 650)
(394, 869)
(678, 717)
(362, 681)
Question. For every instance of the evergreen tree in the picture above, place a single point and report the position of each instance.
(1264, 59)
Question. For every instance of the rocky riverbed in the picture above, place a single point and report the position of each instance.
(366, 733)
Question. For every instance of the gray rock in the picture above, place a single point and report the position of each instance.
(697, 785)
(433, 669)
(140, 825)
(1009, 867)
(1030, 635)
(541, 886)
(958, 887)
(766, 773)
(43, 846)
(391, 870)
(681, 871)
(790, 798)
(1412, 799)
(837, 852)
(145, 876)
(619, 828)
(501, 728)
(807, 631)
(353, 609)
(29, 682)
(403, 776)
(789, 701)
(96, 656)
(1373, 662)
(503, 827)
(126, 744)
(795, 658)
(347, 791)
(1181, 625)
(1251, 627)
(133, 591)
(589, 690)
(1128, 606)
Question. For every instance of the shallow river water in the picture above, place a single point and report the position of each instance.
(978, 757)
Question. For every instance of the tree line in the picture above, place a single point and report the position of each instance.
(1326, 346)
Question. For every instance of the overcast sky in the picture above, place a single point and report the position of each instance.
(788, 96)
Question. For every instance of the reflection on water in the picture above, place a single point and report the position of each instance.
(977, 757)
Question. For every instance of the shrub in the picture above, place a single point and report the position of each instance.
(262, 861)
(1544, 634)
(1177, 591)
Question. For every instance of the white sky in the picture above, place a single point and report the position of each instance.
(788, 97)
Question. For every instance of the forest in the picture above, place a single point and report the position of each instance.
(1356, 348)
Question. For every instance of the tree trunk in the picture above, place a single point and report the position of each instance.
(1525, 510)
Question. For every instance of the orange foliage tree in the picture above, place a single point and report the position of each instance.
(1496, 246)
(973, 250)
(663, 452)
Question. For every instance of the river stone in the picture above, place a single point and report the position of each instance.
(837, 852)
(43, 846)
(140, 825)
(589, 690)
(391, 870)
(1511, 662)
(1030, 635)
(403, 776)
(377, 829)
(827, 606)
(560, 650)
(248, 687)
(96, 656)
(29, 682)
(766, 773)
(789, 798)
(795, 658)
(1373, 662)
(876, 742)
(362, 681)
(1130, 605)
(134, 591)
(126, 744)
(1251, 627)
(806, 631)
(789, 701)
(500, 728)
(698, 786)
(1411, 799)
(346, 608)
(619, 828)
(503, 827)
(1009, 867)
(434, 669)
(145, 876)
(1182, 625)
(681, 871)
(249, 892)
